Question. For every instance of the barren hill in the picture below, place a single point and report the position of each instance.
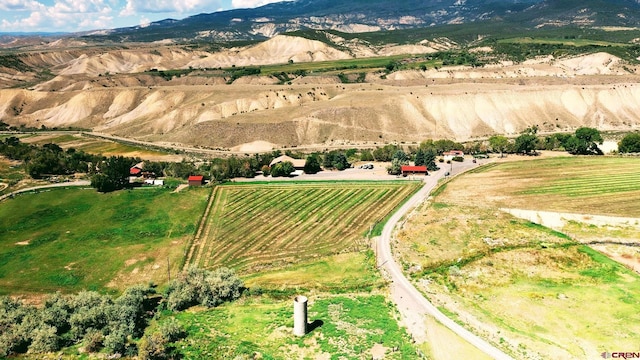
(177, 94)
(457, 103)
(279, 49)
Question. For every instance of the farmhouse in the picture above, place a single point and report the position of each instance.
(449, 155)
(411, 170)
(196, 180)
(136, 170)
(298, 164)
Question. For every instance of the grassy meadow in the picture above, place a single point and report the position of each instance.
(535, 292)
(253, 227)
(586, 185)
(10, 173)
(342, 327)
(73, 239)
(98, 146)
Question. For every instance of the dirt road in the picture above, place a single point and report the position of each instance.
(413, 306)
(41, 187)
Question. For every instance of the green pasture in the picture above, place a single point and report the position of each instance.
(100, 147)
(74, 239)
(544, 294)
(334, 65)
(255, 227)
(337, 274)
(571, 301)
(341, 328)
(587, 185)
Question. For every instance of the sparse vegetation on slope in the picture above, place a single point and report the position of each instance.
(533, 291)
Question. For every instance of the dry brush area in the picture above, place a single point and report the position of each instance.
(533, 291)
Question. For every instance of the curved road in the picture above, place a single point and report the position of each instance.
(410, 302)
(41, 187)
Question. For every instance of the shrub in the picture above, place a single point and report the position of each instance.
(44, 339)
(172, 330)
(56, 312)
(458, 158)
(116, 341)
(89, 312)
(282, 169)
(93, 340)
(198, 286)
(153, 347)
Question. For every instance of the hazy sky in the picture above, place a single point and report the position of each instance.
(79, 15)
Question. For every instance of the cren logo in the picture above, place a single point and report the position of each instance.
(620, 355)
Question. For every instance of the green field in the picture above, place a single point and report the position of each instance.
(343, 328)
(96, 146)
(73, 239)
(587, 185)
(336, 274)
(535, 292)
(336, 65)
(256, 226)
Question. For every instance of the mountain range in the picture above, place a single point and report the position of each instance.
(359, 16)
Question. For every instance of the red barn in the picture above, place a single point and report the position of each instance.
(196, 180)
(410, 170)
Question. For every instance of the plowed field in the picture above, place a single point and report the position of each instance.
(253, 226)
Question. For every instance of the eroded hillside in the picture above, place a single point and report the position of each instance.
(125, 92)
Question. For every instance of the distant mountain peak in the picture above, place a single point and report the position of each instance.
(378, 15)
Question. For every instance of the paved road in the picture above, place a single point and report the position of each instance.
(41, 187)
(410, 302)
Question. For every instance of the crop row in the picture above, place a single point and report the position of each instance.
(255, 226)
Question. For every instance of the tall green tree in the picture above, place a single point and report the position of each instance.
(527, 142)
(427, 158)
(584, 142)
(499, 144)
(113, 174)
(336, 160)
(630, 143)
(395, 168)
(385, 153)
(312, 165)
(282, 169)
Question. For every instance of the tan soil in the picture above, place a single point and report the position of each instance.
(456, 103)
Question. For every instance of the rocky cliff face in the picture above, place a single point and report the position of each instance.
(321, 110)
(113, 91)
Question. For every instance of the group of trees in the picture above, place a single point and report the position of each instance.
(424, 155)
(584, 141)
(89, 318)
(48, 159)
(115, 326)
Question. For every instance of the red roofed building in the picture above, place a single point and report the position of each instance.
(136, 170)
(410, 170)
(196, 180)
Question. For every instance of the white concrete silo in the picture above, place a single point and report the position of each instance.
(300, 315)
